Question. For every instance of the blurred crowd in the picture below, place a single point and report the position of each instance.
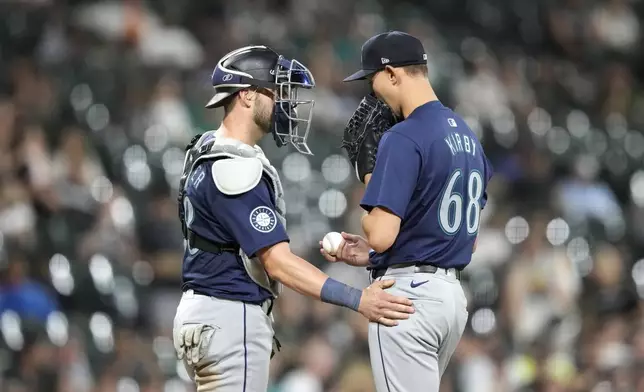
(98, 99)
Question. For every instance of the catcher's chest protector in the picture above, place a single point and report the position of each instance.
(209, 147)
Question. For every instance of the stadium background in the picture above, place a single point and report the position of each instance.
(97, 100)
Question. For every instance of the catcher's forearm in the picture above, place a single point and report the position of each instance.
(301, 276)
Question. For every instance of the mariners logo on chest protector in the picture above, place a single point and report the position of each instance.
(263, 219)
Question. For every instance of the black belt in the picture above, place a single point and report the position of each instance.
(267, 309)
(198, 242)
(421, 268)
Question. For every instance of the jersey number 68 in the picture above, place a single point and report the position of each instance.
(451, 209)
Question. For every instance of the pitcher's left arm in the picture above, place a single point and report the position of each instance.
(389, 189)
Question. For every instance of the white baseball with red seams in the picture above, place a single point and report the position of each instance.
(331, 242)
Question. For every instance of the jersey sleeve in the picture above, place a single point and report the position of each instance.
(249, 217)
(395, 175)
(489, 171)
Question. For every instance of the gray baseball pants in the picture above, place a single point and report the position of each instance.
(238, 356)
(413, 355)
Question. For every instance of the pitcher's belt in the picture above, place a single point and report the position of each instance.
(418, 268)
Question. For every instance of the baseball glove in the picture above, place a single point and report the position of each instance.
(362, 133)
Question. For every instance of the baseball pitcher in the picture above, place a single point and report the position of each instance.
(426, 180)
(231, 206)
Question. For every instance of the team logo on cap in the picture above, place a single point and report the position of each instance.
(227, 77)
(263, 219)
(384, 60)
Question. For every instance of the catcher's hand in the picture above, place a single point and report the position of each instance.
(363, 132)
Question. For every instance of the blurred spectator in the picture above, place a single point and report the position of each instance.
(611, 291)
(318, 362)
(542, 287)
(616, 26)
(356, 378)
(583, 198)
(168, 111)
(29, 299)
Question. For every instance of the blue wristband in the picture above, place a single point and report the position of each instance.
(338, 293)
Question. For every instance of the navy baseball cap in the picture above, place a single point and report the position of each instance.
(393, 48)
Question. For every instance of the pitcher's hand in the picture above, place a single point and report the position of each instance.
(353, 250)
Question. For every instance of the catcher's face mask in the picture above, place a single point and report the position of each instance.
(292, 114)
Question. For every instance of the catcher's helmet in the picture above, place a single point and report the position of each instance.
(260, 66)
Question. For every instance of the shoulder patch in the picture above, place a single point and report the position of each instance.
(235, 176)
(263, 219)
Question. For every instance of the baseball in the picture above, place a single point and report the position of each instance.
(331, 242)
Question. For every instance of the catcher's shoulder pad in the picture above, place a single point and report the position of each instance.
(236, 175)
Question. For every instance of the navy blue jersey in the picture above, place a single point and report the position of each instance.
(432, 173)
(247, 219)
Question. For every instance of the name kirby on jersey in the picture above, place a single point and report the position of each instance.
(459, 143)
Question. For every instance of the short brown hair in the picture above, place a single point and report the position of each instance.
(416, 70)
